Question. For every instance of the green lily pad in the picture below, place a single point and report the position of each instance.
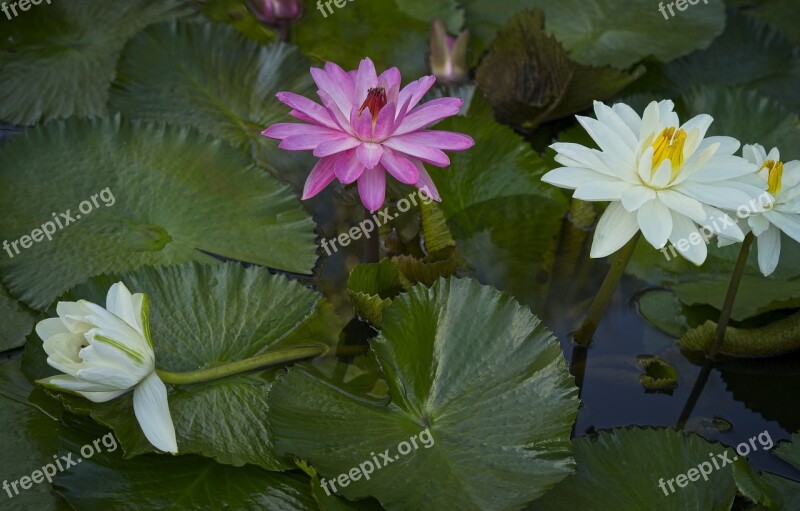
(776, 338)
(171, 482)
(16, 321)
(756, 295)
(505, 220)
(621, 470)
(164, 195)
(201, 317)
(371, 288)
(29, 439)
(606, 32)
(747, 115)
(749, 55)
(58, 59)
(508, 411)
(529, 78)
(756, 488)
(448, 11)
(379, 30)
(658, 375)
(171, 72)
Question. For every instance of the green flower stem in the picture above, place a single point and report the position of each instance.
(730, 298)
(274, 357)
(585, 333)
(372, 245)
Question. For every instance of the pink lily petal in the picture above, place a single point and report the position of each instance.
(444, 140)
(372, 188)
(340, 76)
(367, 79)
(400, 167)
(311, 111)
(336, 146)
(425, 182)
(390, 80)
(338, 98)
(320, 177)
(342, 121)
(427, 154)
(348, 167)
(307, 142)
(414, 91)
(362, 123)
(400, 115)
(429, 113)
(384, 123)
(289, 129)
(369, 154)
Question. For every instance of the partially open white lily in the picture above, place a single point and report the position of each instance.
(104, 353)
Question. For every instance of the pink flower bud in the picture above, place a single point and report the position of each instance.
(448, 55)
(273, 12)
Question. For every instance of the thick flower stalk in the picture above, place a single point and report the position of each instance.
(782, 182)
(368, 126)
(448, 54)
(104, 353)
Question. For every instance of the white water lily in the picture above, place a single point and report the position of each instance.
(104, 353)
(782, 181)
(662, 177)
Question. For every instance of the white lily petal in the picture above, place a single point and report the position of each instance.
(790, 224)
(655, 221)
(650, 121)
(754, 153)
(606, 115)
(774, 154)
(67, 383)
(151, 407)
(722, 224)
(109, 378)
(572, 177)
(49, 327)
(633, 198)
(662, 175)
(601, 190)
(758, 224)
(615, 228)
(629, 116)
(727, 145)
(682, 204)
(769, 250)
(119, 301)
(687, 239)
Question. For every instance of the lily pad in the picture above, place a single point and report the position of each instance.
(529, 78)
(162, 195)
(16, 321)
(29, 437)
(509, 411)
(658, 375)
(201, 317)
(621, 470)
(172, 482)
(171, 72)
(607, 32)
(58, 59)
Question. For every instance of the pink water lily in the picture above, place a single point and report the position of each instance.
(367, 126)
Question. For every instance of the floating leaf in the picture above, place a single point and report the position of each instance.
(754, 487)
(749, 116)
(508, 411)
(749, 55)
(58, 59)
(108, 481)
(378, 29)
(529, 78)
(171, 72)
(606, 32)
(201, 317)
(777, 338)
(16, 321)
(621, 470)
(163, 194)
(29, 439)
(658, 375)
(372, 286)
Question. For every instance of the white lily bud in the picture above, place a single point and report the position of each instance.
(104, 353)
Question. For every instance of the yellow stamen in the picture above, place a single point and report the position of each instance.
(775, 170)
(669, 146)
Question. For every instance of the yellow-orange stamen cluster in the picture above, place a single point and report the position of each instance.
(775, 170)
(669, 146)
